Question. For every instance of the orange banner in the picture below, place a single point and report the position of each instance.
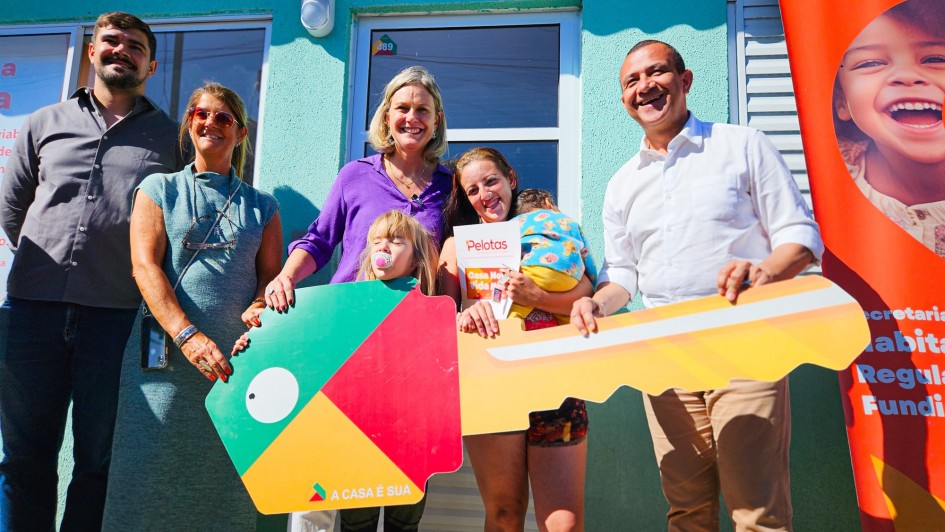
(869, 77)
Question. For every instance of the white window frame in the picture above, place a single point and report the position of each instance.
(567, 133)
(736, 62)
(80, 29)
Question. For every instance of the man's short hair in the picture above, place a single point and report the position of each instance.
(674, 54)
(125, 21)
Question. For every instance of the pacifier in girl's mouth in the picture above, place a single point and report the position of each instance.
(382, 260)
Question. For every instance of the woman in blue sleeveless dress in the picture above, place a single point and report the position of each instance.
(203, 244)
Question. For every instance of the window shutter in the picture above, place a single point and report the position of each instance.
(765, 95)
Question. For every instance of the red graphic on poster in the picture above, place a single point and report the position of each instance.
(481, 281)
(869, 77)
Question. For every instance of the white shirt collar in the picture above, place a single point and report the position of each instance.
(691, 133)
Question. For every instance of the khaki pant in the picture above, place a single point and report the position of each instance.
(735, 439)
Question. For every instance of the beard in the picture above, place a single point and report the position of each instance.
(126, 79)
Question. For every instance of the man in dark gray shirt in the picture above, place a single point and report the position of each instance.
(65, 203)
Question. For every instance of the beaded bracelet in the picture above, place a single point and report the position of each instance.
(184, 335)
(258, 300)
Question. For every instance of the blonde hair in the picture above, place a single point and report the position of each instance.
(235, 103)
(425, 255)
(379, 133)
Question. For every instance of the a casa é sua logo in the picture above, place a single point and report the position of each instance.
(384, 46)
(348, 494)
(319, 493)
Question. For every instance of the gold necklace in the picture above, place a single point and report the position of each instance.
(408, 182)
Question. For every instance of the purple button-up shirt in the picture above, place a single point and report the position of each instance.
(362, 192)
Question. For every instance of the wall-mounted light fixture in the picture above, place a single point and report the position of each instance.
(318, 16)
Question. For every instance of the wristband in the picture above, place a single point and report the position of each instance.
(184, 335)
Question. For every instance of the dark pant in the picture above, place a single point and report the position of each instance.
(401, 518)
(51, 352)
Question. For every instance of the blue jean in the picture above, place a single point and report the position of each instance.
(51, 352)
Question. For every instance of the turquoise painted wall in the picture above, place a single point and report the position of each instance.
(303, 145)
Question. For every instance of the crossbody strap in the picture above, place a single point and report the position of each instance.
(144, 306)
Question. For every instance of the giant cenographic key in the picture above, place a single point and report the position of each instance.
(364, 390)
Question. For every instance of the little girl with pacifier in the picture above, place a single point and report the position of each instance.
(397, 246)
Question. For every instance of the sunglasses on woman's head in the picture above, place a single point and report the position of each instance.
(222, 118)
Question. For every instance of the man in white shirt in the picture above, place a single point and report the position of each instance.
(702, 209)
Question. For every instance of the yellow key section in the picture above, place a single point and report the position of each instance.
(495, 394)
(281, 473)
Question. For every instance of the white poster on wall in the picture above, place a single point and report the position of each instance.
(32, 69)
(482, 251)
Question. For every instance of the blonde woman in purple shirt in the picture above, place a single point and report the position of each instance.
(409, 133)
